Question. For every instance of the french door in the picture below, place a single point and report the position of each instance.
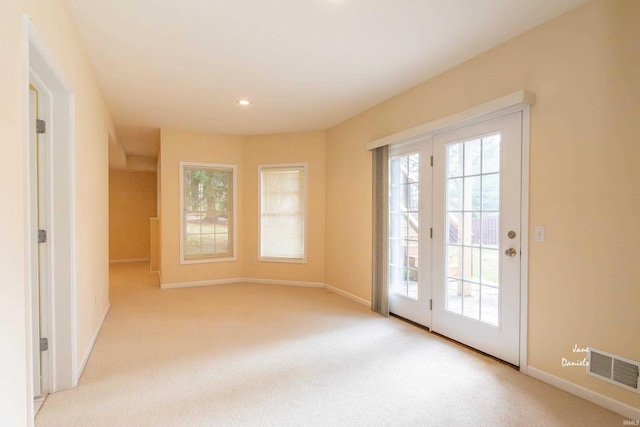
(464, 279)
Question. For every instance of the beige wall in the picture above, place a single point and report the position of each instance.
(306, 148)
(177, 146)
(132, 201)
(583, 281)
(52, 21)
(13, 387)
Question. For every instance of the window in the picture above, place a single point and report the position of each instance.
(282, 212)
(208, 212)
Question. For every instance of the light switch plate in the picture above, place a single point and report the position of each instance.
(539, 233)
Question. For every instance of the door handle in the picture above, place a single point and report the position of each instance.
(510, 252)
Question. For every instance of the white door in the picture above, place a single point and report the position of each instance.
(476, 235)
(38, 221)
(409, 220)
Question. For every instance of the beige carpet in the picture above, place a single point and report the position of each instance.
(264, 355)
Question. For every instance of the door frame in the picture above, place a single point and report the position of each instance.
(40, 67)
(511, 103)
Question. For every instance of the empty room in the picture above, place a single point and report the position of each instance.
(322, 212)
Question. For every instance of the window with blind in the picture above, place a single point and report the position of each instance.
(207, 212)
(283, 212)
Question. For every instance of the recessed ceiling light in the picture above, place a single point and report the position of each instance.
(243, 102)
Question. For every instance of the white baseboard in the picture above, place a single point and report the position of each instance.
(286, 283)
(348, 295)
(242, 280)
(599, 399)
(124, 261)
(92, 343)
(268, 282)
(200, 283)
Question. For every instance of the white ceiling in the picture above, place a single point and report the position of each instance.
(304, 64)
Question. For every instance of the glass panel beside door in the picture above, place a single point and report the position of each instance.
(409, 226)
(404, 223)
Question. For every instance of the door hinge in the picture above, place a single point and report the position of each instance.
(42, 236)
(431, 160)
(430, 304)
(431, 233)
(44, 344)
(41, 126)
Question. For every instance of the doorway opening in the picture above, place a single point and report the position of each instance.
(457, 232)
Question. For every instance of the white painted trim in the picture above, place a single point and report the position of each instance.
(348, 295)
(74, 238)
(242, 280)
(507, 101)
(200, 283)
(285, 283)
(524, 240)
(92, 342)
(599, 399)
(125, 261)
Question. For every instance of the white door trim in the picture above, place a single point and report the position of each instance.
(524, 239)
(38, 64)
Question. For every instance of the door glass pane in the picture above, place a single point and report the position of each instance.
(454, 160)
(454, 296)
(471, 261)
(454, 261)
(454, 193)
(471, 300)
(404, 203)
(473, 203)
(472, 193)
(471, 228)
(491, 192)
(491, 154)
(454, 226)
(472, 153)
(490, 232)
(489, 272)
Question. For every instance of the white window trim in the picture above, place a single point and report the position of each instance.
(234, 170)
(260, 258)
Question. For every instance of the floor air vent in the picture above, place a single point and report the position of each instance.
(614, 369)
